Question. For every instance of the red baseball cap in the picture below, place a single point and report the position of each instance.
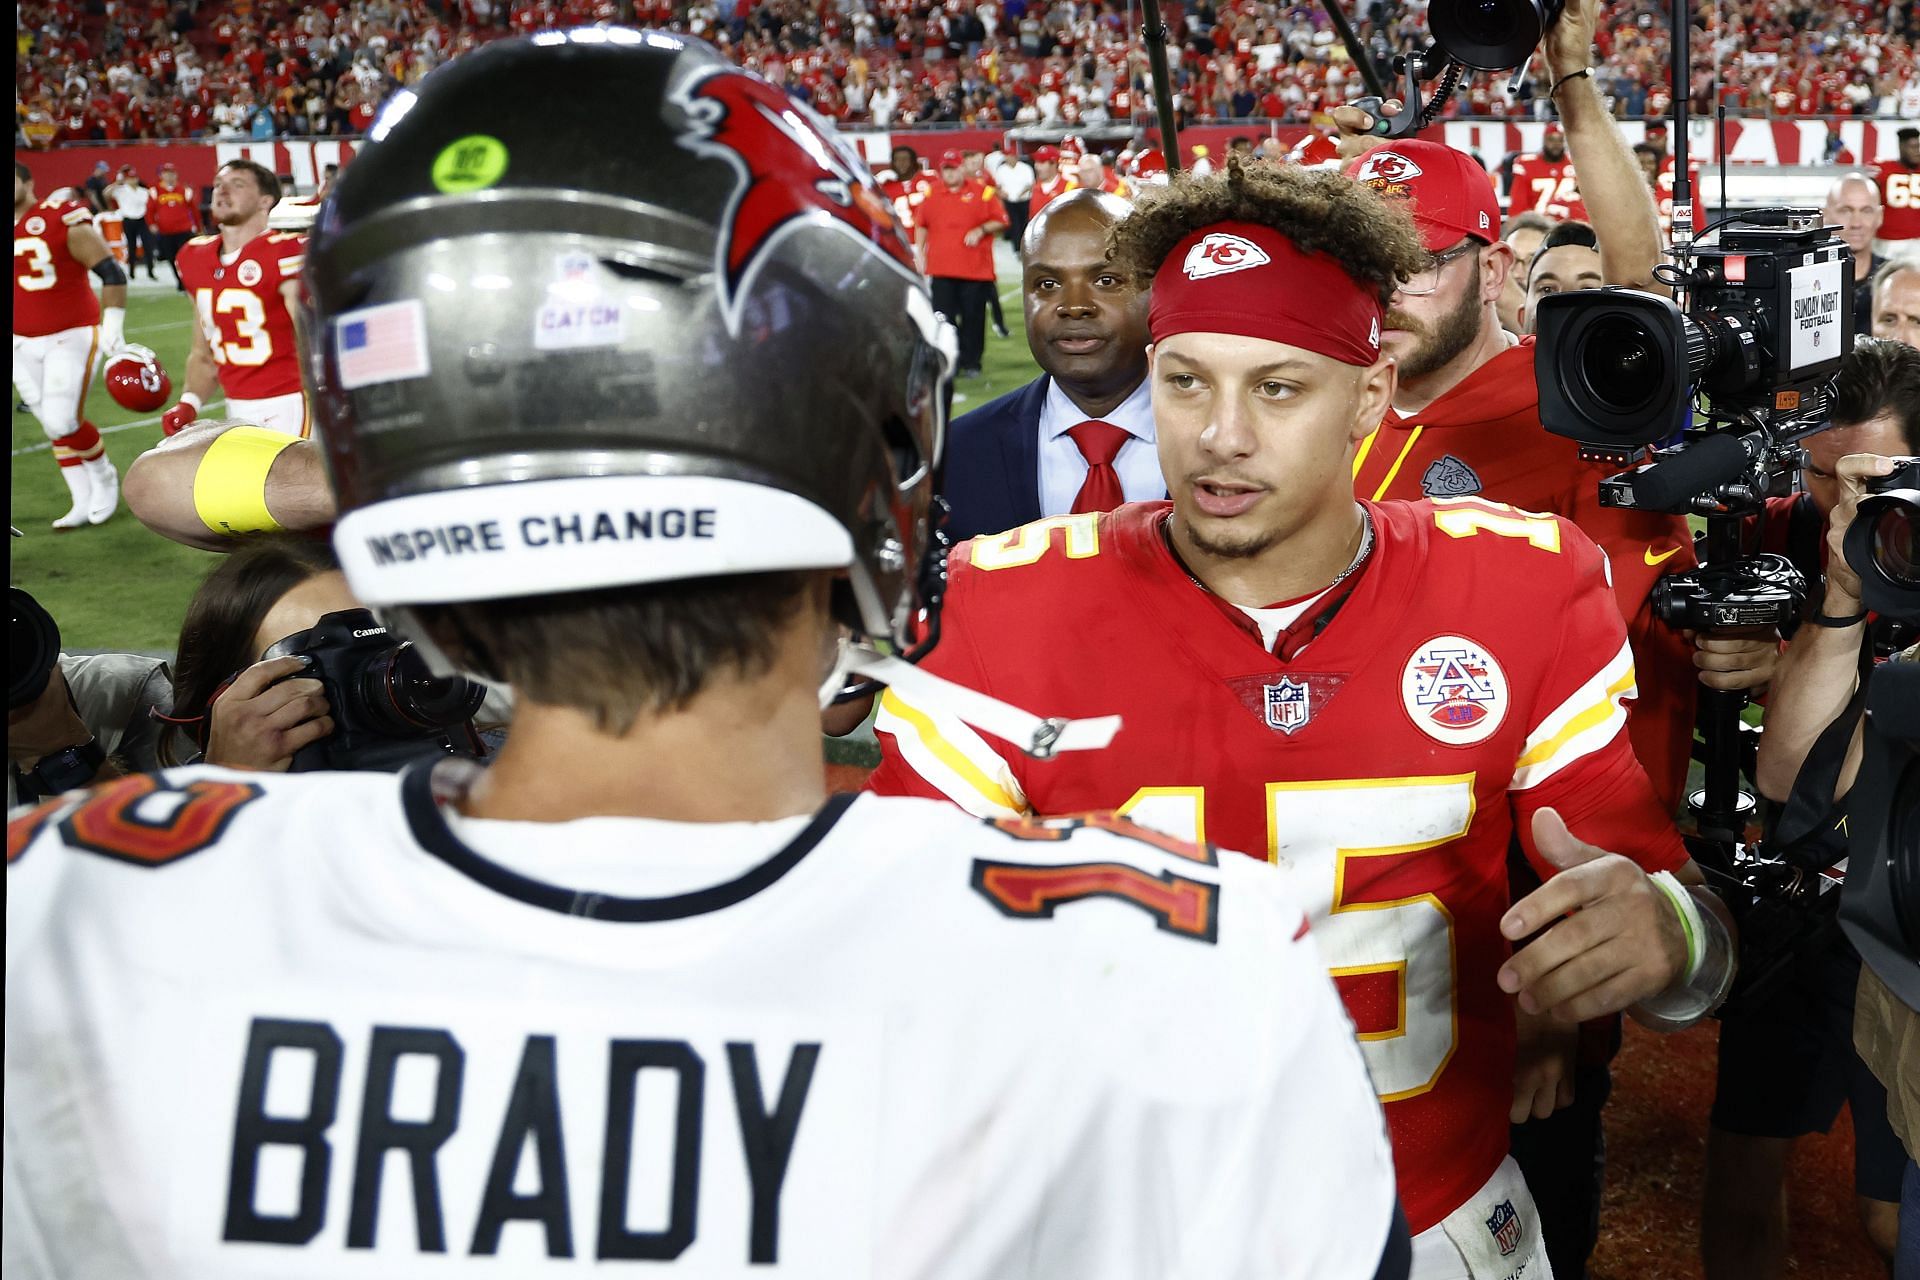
(1451, 195)
(1046, 155)
(951, 159)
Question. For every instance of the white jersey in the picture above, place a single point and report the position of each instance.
(322, 1025)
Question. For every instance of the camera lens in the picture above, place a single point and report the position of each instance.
(1620, 364)
(1894, 532)
(1489, 35)
(405, 698)
(33, 646)
(1880, 546)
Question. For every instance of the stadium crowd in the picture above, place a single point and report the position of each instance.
(159, 69)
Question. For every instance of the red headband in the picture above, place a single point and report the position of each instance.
(1246, 279)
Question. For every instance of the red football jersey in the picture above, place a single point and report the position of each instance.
(1900, 197)
(1046, 191)
(1484, 438)
(1385, 766)
(242, 313)
(1545, 186)
(51, 292)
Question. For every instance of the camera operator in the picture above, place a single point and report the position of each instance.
(74, 719)
(1788, 1064)
(238, 703)
(1466, 415)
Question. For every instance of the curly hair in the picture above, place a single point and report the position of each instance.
(1372, 239)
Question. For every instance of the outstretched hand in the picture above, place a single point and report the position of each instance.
(1614, 938)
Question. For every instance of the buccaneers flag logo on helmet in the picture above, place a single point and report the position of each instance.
(136, 380)
(791, 169)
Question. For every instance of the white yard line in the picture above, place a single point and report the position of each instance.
(43, 446)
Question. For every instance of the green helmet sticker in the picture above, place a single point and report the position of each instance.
(472, 163)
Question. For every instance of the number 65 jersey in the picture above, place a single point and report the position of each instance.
(1475, 674)
(323, 1026)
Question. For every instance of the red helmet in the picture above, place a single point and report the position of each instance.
(136, 381)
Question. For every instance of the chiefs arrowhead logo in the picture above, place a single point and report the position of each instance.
(1386, 166)
(1220, 253)
(792, 172)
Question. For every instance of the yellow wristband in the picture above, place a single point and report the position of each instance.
(230, 487)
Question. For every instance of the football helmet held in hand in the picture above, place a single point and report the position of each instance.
(136, 379)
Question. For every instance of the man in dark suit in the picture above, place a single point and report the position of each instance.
(1079, 437)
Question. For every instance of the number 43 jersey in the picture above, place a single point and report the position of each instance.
(322, 1026)
(1474, 675)
(240, 309)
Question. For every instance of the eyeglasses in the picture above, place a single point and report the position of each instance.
(1424, 282)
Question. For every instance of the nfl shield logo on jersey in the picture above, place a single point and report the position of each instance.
(1505, 1227)
(1288, 705)
(1454, 691)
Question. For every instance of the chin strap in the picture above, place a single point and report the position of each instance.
(1037, 736)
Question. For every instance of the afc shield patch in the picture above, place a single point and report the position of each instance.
(1504, 1226)
(1454, 691)
(1289, 705)
(1448, 477)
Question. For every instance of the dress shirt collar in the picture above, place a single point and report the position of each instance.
(1134, 415)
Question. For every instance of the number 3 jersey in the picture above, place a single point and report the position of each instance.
(51, 292)
(240, 310)
(320, 1025)
(1474, 674)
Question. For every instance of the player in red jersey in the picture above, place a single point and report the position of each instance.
(1049, 183)
(1899, 181)
(1360, 692)
(1544, 181)
(61, 333)
(244, 282)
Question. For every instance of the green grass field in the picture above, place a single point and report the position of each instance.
(118, 586)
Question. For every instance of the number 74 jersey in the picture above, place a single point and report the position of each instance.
(239, 308)
(1475, 674)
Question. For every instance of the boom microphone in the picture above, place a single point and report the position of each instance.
(1704, 466)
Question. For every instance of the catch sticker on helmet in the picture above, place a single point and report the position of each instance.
(472, 163)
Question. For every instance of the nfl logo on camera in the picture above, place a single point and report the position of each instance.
(1287, 705)
(1505, 1227)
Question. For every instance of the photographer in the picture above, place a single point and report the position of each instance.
(1788, 1064)
(238, 704)
(74, 719)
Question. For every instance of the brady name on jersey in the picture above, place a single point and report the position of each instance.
(907, 1038)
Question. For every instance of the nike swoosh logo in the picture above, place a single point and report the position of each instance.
(1664, 555)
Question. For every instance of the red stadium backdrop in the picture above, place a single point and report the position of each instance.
(1765, 142)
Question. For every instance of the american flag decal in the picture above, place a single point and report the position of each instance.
(387, 343)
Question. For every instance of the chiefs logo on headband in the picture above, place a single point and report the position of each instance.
(791, 171)
(1386, 166)
(1220, 254)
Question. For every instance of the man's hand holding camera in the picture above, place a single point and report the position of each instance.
(266, 715)
(1843, 584)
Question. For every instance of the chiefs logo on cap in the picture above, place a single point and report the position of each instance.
(1220, 254)
(1386, 166)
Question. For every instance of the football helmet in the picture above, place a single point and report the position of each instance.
(665, 327)
(136, 379)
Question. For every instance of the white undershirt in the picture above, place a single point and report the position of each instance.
(1272, 621)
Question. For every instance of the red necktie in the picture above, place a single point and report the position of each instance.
(1099, 443)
